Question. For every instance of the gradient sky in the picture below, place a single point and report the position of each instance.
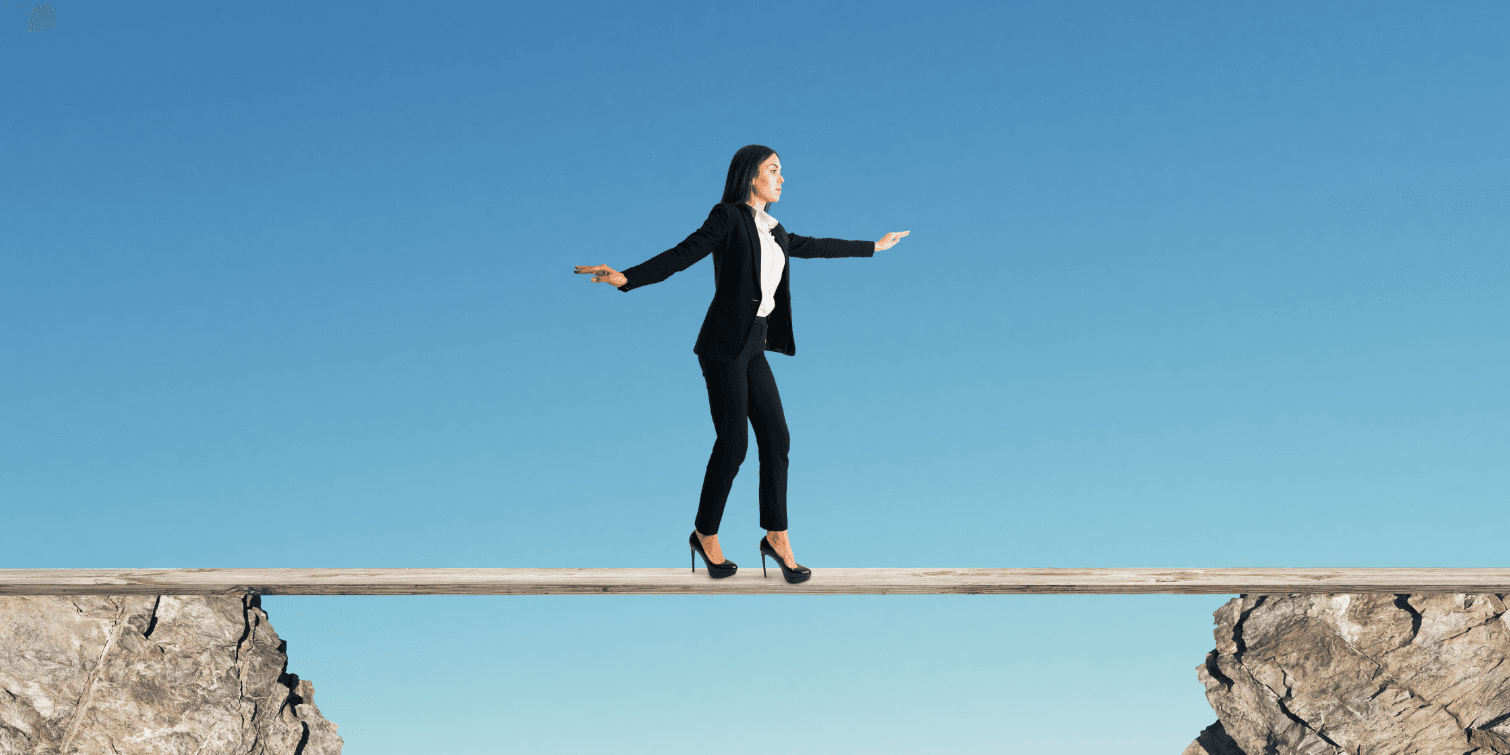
(1189, 284)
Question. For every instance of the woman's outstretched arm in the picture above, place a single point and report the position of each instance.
(674, 260)
(810, 248)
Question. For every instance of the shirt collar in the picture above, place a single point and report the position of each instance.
(765, 220)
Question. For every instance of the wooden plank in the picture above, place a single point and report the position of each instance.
(747, 582)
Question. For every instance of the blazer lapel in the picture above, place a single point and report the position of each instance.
(752, 238)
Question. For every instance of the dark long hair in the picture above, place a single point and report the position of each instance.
(742, 170)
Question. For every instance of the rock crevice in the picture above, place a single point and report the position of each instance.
(151, 675)
(1358, 673)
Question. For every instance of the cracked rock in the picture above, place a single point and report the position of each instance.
(1359, 673)
(151, 675)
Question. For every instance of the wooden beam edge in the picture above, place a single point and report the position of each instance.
(936, 581)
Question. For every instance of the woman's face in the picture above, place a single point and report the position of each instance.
(767, 184)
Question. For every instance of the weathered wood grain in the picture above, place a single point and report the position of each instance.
(747, 582)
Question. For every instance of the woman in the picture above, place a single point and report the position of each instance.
(750, 314)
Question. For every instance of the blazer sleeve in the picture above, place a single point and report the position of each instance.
(683, 255)
(809, 247)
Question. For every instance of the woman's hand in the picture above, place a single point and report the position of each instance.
(890, 240)
(604, 274)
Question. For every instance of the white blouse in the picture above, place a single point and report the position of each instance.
(772, 262)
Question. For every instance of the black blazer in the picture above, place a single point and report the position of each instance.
(730, 234)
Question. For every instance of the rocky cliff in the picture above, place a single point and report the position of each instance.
(169, 675)
(1359, 674)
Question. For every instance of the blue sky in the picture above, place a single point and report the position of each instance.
(1188, 284)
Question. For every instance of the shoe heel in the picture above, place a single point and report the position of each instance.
(762, 566)
(792, 576)
(716, 571)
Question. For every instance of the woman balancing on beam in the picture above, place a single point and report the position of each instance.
(750, 314)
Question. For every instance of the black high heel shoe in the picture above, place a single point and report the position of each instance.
(793, 576)
(716, 571)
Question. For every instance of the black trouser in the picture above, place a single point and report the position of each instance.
(740, 390)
